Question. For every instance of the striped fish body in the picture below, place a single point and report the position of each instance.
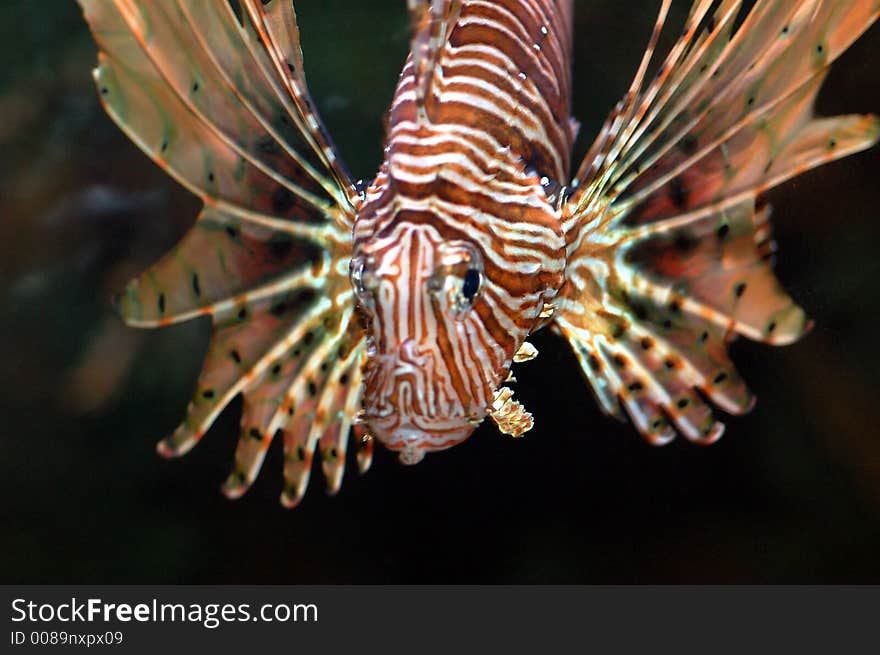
(458, 246)
(395, 311)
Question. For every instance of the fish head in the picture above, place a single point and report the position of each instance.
(442, 329)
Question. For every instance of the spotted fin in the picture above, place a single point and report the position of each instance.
(214, 93)
(322, 401)
(670, 245)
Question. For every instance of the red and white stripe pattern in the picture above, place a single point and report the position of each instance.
(465, 181)
(466, 241)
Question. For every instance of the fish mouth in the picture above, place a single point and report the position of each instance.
(413, 439)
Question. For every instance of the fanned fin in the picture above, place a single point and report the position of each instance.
(316, 365)
(218, 99)
(278, 31)
(318, 399)
(221, 263)
(670, 248)
(245, 345)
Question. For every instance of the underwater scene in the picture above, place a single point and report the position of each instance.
(789, 494)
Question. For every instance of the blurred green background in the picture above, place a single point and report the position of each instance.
(791, 494)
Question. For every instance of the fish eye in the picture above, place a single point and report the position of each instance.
(458, 276)
(473, 280)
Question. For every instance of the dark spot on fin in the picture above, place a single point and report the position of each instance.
(282, 201)
(678, 194)
(268, 146)
(684, 243)
(280, 245)
(688, 144)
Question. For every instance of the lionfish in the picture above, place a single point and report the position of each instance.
(394, 309)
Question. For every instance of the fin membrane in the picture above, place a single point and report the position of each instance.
(214, 93)
(669, 242)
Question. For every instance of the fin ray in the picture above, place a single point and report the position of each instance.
(431, 22)
(215, 94)
(669, 246)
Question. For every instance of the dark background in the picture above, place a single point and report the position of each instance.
(790, 494)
